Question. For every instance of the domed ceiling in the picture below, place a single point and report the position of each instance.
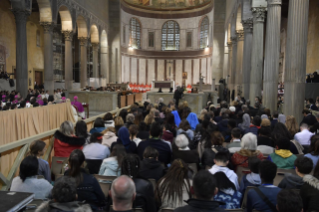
(168, 4)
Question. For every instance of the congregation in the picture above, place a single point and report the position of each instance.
(227, 157)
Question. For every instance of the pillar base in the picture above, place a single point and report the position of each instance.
(294, 99)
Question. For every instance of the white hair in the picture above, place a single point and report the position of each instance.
(67, 128)
(160, 100)
(249, 141)
(181, 141)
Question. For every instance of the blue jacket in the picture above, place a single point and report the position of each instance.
(163, 149)
(254, 201)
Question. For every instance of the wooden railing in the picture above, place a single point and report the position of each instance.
(23, 146)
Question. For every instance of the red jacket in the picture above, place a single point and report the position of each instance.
(64, 145)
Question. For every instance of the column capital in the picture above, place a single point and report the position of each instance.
(47, 26)
(68, 35)
(271, 3)
(248, 25)
(259, 14)
(20, 15)
(83, 41)
(240, 35)
(234, 40)
(95, 46)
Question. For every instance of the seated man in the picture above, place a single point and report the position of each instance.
(303, 166)
(303, 137)
(234, 145)
(204, 190)
(123, 194)
(221, 161)
(157, 143)
(282, 156)
(267, 191)
(64, 194)
(253, 178)
(308, 118)
(289, 200)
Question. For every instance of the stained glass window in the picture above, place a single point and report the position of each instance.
(204, 33)
(135, 33)
(170, 36)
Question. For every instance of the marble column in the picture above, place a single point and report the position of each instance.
(83, 67)
(21, 51)
(239, 62)
(104, 63)
(95, 60)
(229, 68)
(225, 63)
(259, 15)
(296, 58)
(248, 37)
(233, 66)
(48, 56)
(68, 79)
(272, 55)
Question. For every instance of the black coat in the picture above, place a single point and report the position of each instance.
(209, 155)
(144, 195)
(309, 119)
(195, 205)
(188, 156)
(264, 140)
(89, 190)
(151, 169)
(309, 193)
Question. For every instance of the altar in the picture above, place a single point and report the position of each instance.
(164, 85)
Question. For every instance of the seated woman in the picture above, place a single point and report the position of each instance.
(108, 120)
(109, 137)
(133, 130)
(124, 138)
(111, 166)
(65, 141)
(95, 153)
(144, 190)
(27, 180)
(226, 192)
(151, 168)
(37, 149)
(174, 188)
(118, 122)
(185, 127)
(212, 147)
(88, 188)
(182, 151)
(98, 126)
(64, 198)
(81, 130)
(248, 150)
(314, 150)
(143, 131)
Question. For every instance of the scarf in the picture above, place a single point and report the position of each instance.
(285, 153)
(249, 153)
(192, 120)
(177, 119)
(246, 122)
(124, 137)
(282, 118)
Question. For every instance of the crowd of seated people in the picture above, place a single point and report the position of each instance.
(167, 157)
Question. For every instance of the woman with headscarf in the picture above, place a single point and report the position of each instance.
(245, 124)
(282, 118)
(192, 120)
(177, 119)
(124, 138)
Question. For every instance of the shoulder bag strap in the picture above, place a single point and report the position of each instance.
(266, 200)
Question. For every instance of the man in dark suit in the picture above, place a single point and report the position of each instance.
(309, 119)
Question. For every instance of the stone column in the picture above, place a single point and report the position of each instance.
(272, 55)
(68, 36)
(83, 67)
(257, 53)
(296, 57)
(248, 37)
(229, 45)
(21, 51)
(233, 66)
(48, 56)
(104, 63)
(95, 60)
(239, 60)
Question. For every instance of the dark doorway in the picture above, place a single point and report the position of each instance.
(38, 77)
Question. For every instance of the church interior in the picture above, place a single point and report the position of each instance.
(72, 63)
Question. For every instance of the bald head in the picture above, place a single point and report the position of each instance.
(123, 193)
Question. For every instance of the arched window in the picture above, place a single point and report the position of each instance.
(170, 36)
(204, 33)
(135, 33)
